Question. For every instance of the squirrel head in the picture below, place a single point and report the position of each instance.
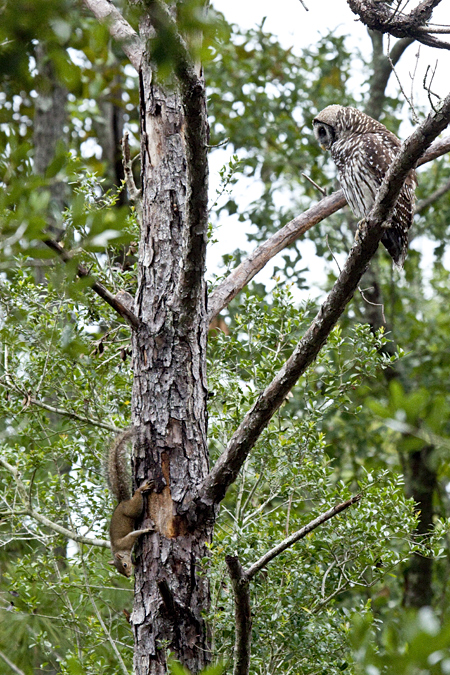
(122, 563)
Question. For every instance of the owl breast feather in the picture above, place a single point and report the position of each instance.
(357, 180)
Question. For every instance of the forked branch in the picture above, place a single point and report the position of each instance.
(240, 579)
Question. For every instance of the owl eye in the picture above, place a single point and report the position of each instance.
(322, 132)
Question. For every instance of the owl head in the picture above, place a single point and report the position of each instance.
(337, 122)
(325, 126)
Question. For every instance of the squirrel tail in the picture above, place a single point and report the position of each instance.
(117, 465)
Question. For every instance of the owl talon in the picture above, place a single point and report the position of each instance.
(360, 230)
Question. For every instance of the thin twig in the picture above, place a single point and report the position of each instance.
(374, 304)
(413, 76)
(332, 254)
(321, 189)
(428, 87)
(408, 100)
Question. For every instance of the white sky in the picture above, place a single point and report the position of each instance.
(288, 20)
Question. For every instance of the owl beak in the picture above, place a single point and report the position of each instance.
(322, 146)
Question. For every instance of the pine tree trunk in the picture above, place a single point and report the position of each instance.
(169, 397)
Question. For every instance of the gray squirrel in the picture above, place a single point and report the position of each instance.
(121, 530)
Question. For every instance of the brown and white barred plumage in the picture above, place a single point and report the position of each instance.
(363, 150)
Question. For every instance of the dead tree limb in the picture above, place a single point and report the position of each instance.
(380, 17)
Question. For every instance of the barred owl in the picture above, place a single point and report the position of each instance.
(363, 150)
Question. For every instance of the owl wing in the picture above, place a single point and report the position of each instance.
(380, 148)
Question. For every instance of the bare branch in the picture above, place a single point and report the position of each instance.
(12, 665)
(300, 534)
(240, 277)
(107, 13)
(30, 511)
(242, 615)
(112, 300)
(229, 463)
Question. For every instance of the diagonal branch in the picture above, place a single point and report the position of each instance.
(240, 277)
(96, 286)
(437, 194)
(12, 665)
(106, 12)
(229, 463)
(300, 534)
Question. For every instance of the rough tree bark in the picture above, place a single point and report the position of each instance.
(169, 390)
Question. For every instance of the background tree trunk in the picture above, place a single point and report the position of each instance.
(422, 484)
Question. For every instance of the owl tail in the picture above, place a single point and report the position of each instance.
(396, 243)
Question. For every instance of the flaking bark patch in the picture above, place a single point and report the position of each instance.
(162, 508)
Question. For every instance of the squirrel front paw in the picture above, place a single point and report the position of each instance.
(148, 486)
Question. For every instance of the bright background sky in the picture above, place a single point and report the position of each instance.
(288, 20)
